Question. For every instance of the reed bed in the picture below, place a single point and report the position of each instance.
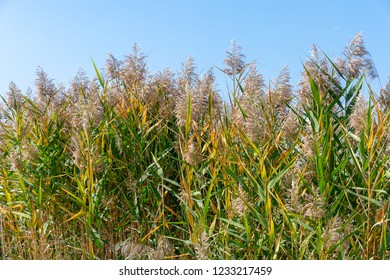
(134, 165)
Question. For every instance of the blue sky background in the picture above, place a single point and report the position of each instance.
(62, 36)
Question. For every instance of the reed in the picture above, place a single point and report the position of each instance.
(133, 165)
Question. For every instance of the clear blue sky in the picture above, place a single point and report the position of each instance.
(62, 36)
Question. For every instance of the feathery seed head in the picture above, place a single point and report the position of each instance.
(314, 205)
(134, 251)
(384, 98)
(134, 67)
(45, 87)
(164, 249)
(235, 60)
(193, 154)
(15, 159)
(202, 246)
(282, 91)
(252, 102)
(238, 204)
(331, 232)
(334, 232)
(184, 197)
(14, 96)
(114, 68)
(254, 84)
(358, 119)
(294, 203)
(318, 68)
(188, 76)
(29, 151)
(78, 85)
(203, 91)
(307, 142)
(182, 107)
(357, 59)
(291, 127)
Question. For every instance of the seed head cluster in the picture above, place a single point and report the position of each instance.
(139, 165)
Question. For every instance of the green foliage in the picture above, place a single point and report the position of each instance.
(130, 166)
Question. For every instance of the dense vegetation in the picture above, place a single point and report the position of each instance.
(131, 165)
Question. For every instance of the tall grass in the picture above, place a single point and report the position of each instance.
(130, 165)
